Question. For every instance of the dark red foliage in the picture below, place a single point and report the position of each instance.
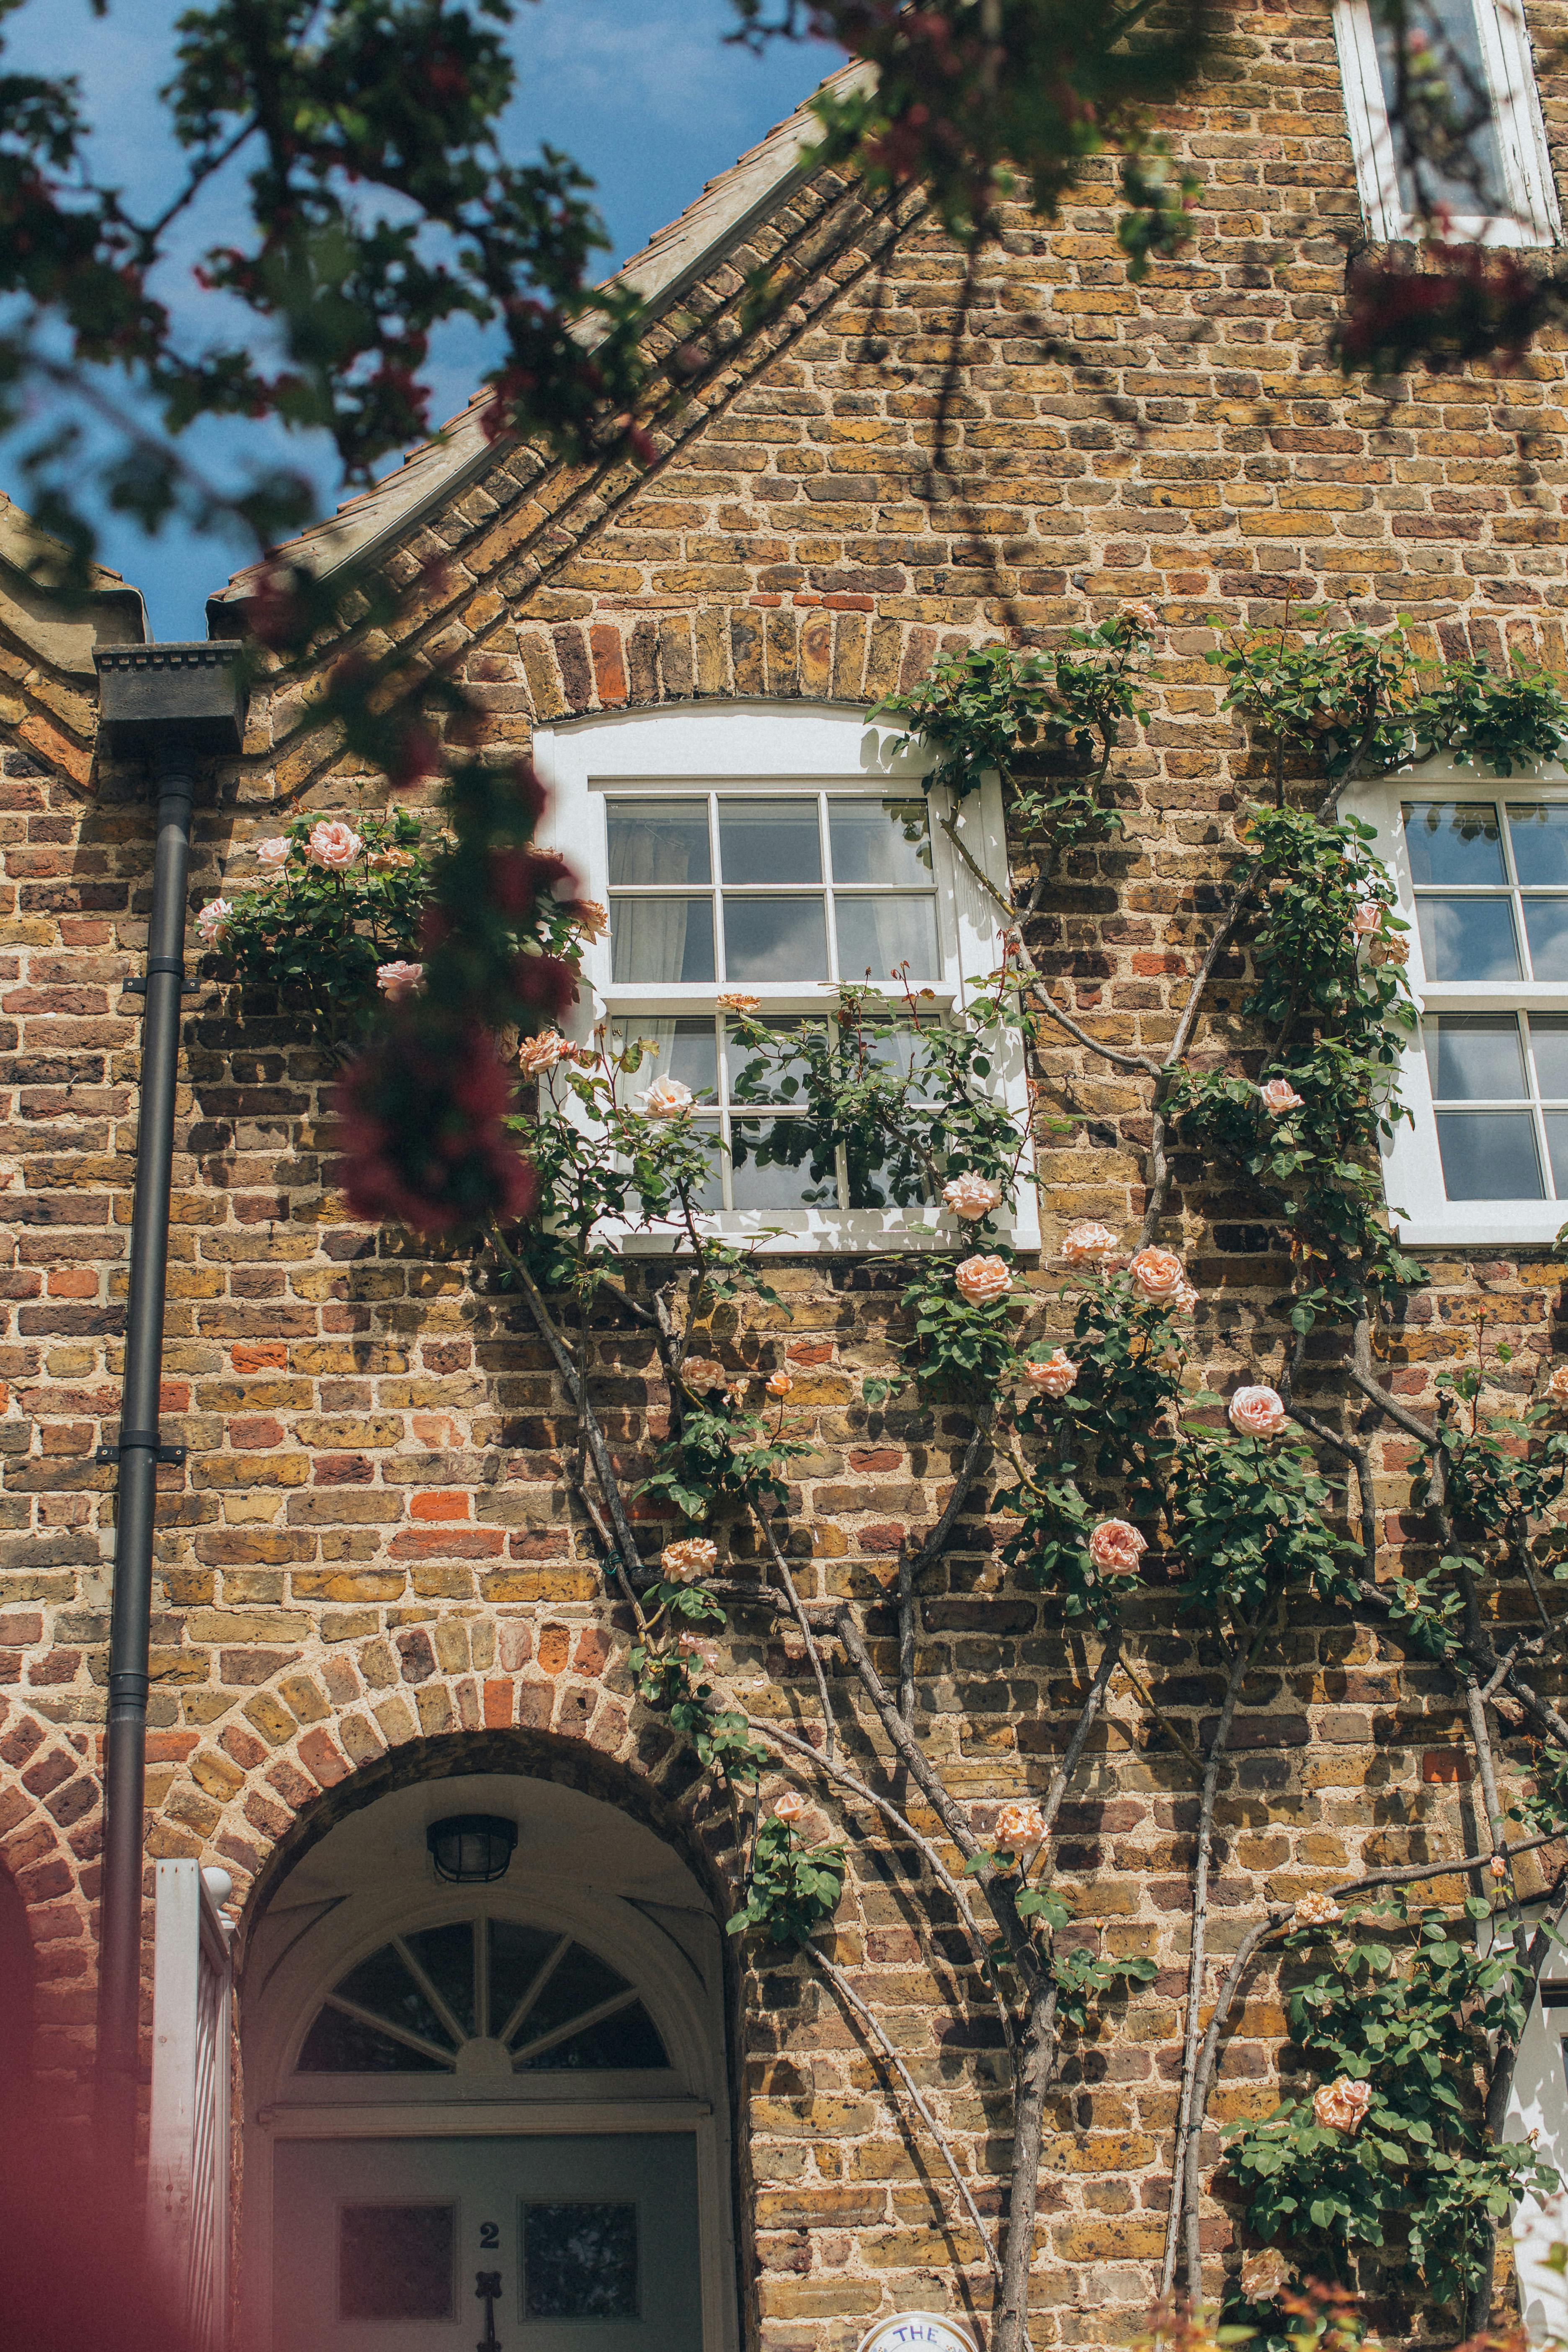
(544, 983)
(421, 1118)
(1452, 306)
(521, 878)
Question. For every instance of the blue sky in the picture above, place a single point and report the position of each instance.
(645, 93)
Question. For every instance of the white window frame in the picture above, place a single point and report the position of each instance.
(762, 747)
(1413, 1170)
(1510, 67)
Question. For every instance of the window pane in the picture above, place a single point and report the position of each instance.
(447, 1956)
(1546, 927)
(884, 1175)
(337, 2044)
(580, 2262)
(776, 1166)
(769, 841)
(1557, 1150)
(1489, 1155)
(1453, 841)
(382, 1984)
(774, 939)
(879, 840)
(1468, 939)
(395, 2262)
(659, 841)
(1540, 832)
(629, 2038)
(581, 1981)
(1549, 1044)
(879, 936)
(517, 1955)
(656, 940)
(1475, 1058)
(775, 1076)
(687, 1050)
(1462, 170)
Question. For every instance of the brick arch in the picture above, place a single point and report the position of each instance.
(828, 648)
(51, 1827)
(458, 1695)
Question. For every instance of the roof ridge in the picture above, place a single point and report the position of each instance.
(675, 256)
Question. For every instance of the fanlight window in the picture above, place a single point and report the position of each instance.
(553, 2005)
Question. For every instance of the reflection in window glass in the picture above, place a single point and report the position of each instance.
(882, 936)
(1454, 842)
(1546, 927)
(579, 2261)
(1468, 939)
(879, 840)
(1538, 831)
(769, 841)
(776, 1165)
(657, 942)
(782, 940)
(1466, 174)
(1549, 1044)
(1489, 1155)
(683, 1049)
(1556, 1125)
(657, 842)
(1474, 1057)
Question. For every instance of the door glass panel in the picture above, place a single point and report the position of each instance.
(629, 2038)
(880, 936)
(774, 939)
(1539, 830)
(1489, 1155)
(579, 2261)
(1453, 842)
(1546, 927)
(1468, 939)
(879, 840)
(657, 942)
(1475, 1058)
(769, 841)
(395, 2262)
(653, 842)
(447, 1956)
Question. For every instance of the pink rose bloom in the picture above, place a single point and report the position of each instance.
(790, 1808)
(698, 1652)
(969, 1195)
(1390, 947)
(276, 850)
(779, 1385)
(982, 1279)
(1256, 1413)
(1088, 1245)
(1020, 1825)
(537, 1055)
(1367, 918)
(335, 846)
(1557, 1386)
(702, 1373)
(399, 980)
(212, 923)
(665, 1099)
(1055, 1376)
(1341, 2106)
(1159, 1273)
(1278, 1097)
(686, 1563)
(1116, 1547)
(736, 1003)
(1317, 1911)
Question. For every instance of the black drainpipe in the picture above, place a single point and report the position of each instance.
(172, 705)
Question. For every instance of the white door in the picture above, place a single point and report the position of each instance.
(584, 2244)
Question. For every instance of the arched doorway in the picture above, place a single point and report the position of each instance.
(489, 2106)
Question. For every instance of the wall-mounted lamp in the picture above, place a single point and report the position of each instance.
(471, 1849)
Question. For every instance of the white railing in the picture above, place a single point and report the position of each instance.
(188, 2155)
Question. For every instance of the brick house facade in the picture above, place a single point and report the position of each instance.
(372, 1576)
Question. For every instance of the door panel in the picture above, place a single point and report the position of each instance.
(378, 2244)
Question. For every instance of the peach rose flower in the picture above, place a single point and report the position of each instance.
(665, 1099)
(982, 1279)
(698, 1652)
(790, 1808)
(779, 1385)
(1053, 1378)
(1185, 1298)
(1317, 1911)
(212, 923)
(537, 1055)
(1116, 1547)
(737, 1003)
(1390, 947)
(1341, 2106)
(701, 1373)
(1020, 1824)
(1367, 918)
(1158, 1273)
(1088, 1243)
(1256, 1413)
(274, 852)
(398, 979)
(1557, 1386)
(592, 919)
(391, 861)
(1143, 617)
(689, 1561)
(969, 1195)
(1498, 1865)
(1278, 1097)
(335, 844)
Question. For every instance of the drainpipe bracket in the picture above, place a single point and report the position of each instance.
(173, 1454)
(137, 986)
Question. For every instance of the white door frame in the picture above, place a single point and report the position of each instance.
(685, 2000)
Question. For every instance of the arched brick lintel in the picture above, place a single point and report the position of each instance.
(51, 1829)
(828, 650)
(459, 1696)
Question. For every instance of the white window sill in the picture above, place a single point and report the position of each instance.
(1484, 1224)
(824, 1232)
